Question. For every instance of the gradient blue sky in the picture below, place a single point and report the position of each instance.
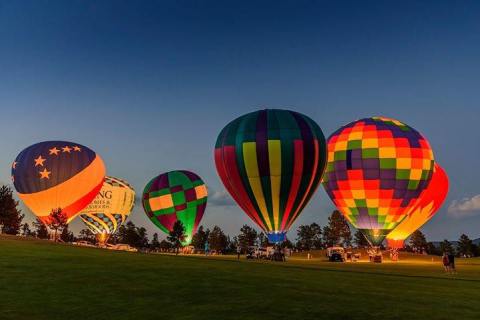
(149, 84)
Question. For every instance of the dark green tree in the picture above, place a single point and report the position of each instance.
(360, 240)
(446, 247)
(41, 230)
(262, 240)
(199, 238)
(433, 250)
(418, 242)
(247, 237)
(177, 235)
(287, 244)
(337, 231)
(26, 232)
(67, 235)
(309, 237)
(165, 245)
(142, 241)
(10, 216)
(155, 244)
(86, 235)
(132, 235)
(217, 240)
(464, 246)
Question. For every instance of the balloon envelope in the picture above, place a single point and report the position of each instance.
(57, 174)
(271, 162)
(176, 195)
(426, 207)
(377, 168)
(110, 208)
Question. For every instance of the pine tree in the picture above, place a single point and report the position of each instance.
(446, 247)
(67, 235)
(247, 237)
(41, 230)
(217, 240)
(360, 240)
(26, 232)
(10, 216)
(87, 235)
(262, 240)
(464, 247)
(177, 235)
(200, 238)
(418, 242)
(155, 244)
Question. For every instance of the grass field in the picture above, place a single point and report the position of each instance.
(42, 280)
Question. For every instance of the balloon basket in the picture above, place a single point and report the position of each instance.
(375, 255)
(277, 237)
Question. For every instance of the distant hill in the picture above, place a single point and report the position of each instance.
(455, 243)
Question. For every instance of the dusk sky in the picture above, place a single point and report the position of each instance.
(150, 84)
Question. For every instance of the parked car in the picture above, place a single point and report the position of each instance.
(336, 254)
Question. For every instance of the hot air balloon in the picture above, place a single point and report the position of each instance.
(427, 205)
(377, 168)
(57, 174)
(110, 208)
(176, 196)
(271, 162)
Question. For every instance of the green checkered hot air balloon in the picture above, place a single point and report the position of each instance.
(176, 196)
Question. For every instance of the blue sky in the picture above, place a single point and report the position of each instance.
(149, 85)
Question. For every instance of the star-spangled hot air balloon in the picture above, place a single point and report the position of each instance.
(57, 174)
(426, 207)
(271, 162)
(110, 208)
(377, 168)
(176, 195)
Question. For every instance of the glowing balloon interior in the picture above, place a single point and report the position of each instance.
(377, 168)
(427, 205)
(57, 174)
(176, 195)
(110, 208)
(271, 162)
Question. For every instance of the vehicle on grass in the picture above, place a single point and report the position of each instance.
(122, 247)
(336, 254)
(83, 243)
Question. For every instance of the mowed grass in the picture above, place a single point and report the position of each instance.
(42, 280)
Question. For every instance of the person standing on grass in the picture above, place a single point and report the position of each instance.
(239, 250)
(207, 248)
(451, 261)
(446, 262)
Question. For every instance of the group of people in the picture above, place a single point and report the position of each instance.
(449, 262)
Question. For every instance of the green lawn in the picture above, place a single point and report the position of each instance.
(42, 280)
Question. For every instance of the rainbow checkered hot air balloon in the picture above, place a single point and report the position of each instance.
(426, 207)
(271, 162)
(57, 174)
(176, 195)
(377, 168)
(110, 208)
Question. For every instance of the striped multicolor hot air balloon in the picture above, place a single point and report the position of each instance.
(110, 208)
(176, 195)
(377, 168)
(57, 174)
(427, 205)
(271, 162)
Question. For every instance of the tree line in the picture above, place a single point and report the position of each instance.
(337, 232)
